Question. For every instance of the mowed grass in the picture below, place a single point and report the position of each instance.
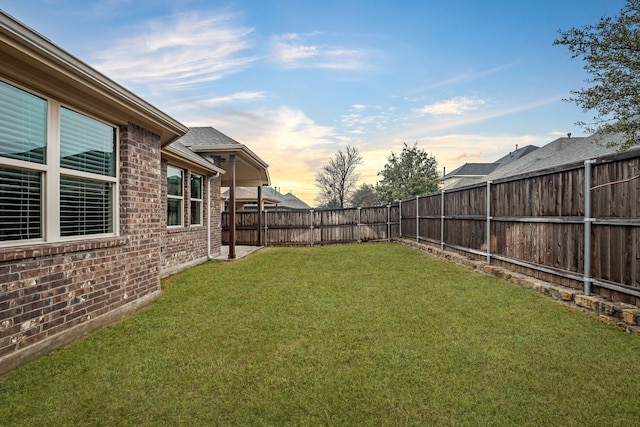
(374, 334)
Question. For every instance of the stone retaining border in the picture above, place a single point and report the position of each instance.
(622, 315)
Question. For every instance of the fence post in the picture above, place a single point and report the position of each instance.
(418, 219)
(488, 222)
(442, 220)
(587, 226)
(359, 226)
(266, 241)
(311, 227)
(400, 215)
(389, 222)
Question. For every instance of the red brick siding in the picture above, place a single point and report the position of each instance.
(185, 245)
(46, 289)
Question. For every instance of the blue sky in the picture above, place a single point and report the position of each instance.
(295, 81)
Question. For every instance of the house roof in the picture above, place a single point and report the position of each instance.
(515, 155)
(32, 60)
(472, 169)
(270, 195)
(559, 152)
(180, 154)
(251, 170)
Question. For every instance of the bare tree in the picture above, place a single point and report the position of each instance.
(337, 180)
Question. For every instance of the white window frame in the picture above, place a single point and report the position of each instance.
(199, 201)
(176, 197)
(50, 177)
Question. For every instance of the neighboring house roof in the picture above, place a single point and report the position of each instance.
(293, 202)
(515, 155)
(270, 196)
(42, 66)
(473, 169)
(559, 152)
(471, 173)
(251, 170)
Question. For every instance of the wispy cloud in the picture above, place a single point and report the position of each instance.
(466, 77)
(453, 106)
(183, 52)
(248, 96)
(362, 119)
(294, 50)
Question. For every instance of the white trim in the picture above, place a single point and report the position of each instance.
(51, 172)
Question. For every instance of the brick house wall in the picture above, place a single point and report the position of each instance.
(54, 293)
(188, 245)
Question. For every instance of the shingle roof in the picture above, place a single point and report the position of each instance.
(559, 152)
(206, 136)
(269, 194)
(473, 169)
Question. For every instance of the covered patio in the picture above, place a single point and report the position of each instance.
(242, 166)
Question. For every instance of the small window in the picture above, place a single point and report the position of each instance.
(174, 196)
(196, 199)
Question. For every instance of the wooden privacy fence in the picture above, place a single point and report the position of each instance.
(315, 227)
(577, 225)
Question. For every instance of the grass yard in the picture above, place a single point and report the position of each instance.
(373, 334)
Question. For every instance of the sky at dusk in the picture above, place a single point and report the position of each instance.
(295, 81)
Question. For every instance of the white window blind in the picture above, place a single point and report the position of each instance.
(20, 210)
(86, 144)
(86, 207)
(23, 125)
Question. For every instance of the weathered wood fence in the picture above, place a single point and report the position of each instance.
(315, 227)
(576, 225)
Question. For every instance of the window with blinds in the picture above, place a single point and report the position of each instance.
(174, 196)
(196, 199)
(86, 207)
(86, 144)
(20, 211)
(81, 156)
(23, 125)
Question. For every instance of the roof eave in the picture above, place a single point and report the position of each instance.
(43, 66)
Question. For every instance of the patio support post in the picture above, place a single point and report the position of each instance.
(259, 215)
(587, 226)
(232, 206)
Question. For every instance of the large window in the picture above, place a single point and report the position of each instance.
(175, 196)
(58, 170)
(196, 199)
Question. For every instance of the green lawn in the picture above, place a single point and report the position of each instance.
(373, 334)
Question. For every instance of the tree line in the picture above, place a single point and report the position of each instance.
(410, 173)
